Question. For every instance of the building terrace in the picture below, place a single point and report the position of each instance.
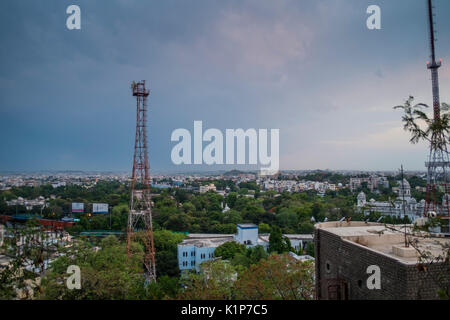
(344, 252)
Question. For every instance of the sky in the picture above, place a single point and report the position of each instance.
(311, 69)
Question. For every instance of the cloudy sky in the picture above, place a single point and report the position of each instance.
(309, 68)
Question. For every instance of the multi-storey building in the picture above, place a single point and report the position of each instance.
(198, 248)
(373, 182)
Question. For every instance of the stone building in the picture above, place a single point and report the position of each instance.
(345, 251)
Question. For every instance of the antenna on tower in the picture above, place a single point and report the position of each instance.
(438, 159)
(140, 203)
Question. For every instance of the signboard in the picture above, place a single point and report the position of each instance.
(77, 207)
(100, 208)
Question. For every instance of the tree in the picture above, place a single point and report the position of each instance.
(277, 277)
(413, 115)
(215, 281)
(277, 243)
(166, 243)
(251, 256)
(233, 217)
(177, 222)
(165, 288)
(229, 249)
(105, 274)
(287, 218)
(28, 249)
(310, 249)
(263, 228)
(306, 228)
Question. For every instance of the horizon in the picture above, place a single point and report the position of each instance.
(218, 171)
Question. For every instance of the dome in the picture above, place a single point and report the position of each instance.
(406, 184)
(361, 196)
(413, 201)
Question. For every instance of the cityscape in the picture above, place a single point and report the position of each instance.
(126, 204)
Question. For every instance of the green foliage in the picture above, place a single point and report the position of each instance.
(166, 252)
(249, 257)
(306, 228)
(106, 273)
(26, 247)
(310, 249)
(229, 249)
(277, 243)
(277, 277)
(215, 281)
(263, 228)
(274, 277)
(414, 115)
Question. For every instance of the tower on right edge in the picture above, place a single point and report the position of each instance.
(438, 159)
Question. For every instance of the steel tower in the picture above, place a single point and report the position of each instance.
(140, 215)
(438, 159)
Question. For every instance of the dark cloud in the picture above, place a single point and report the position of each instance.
(304, 67)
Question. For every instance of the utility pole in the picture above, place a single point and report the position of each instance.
(404, 206)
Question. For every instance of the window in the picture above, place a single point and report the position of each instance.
(328, 266)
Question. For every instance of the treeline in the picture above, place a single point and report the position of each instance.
(180, 210)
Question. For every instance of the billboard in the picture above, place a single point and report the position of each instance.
(100, 208)
(77, 207)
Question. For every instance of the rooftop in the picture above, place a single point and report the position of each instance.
(387, 240)
(206, 242)
(310, 237)
(247, 225)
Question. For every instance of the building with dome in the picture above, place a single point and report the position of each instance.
(404, 205)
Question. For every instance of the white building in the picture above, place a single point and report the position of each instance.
(404, 205)
(198, 248)
(208, 187)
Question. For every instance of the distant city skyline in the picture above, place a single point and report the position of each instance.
(309, 68)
